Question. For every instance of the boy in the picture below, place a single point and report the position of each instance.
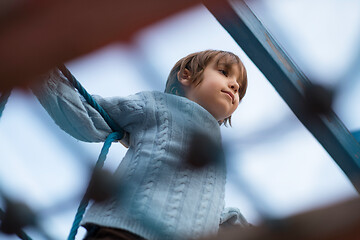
(166, 199)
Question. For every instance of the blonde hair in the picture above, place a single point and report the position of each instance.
(195, 63)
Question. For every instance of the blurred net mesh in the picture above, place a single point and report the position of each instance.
(21, 216)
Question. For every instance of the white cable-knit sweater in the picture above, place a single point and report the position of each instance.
(165, 198)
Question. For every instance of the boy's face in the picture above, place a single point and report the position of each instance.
(218, 90)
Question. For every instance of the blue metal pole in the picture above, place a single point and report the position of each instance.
(291, 84)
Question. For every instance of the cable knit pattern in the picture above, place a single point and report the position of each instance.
(178, 191)
(163, 198)
(204, 203)
(179, 184)
(148, 183)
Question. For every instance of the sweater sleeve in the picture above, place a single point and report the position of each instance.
(75, 116)
(232, 216)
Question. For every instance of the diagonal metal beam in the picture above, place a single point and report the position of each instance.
(356, 134)
(288, 80)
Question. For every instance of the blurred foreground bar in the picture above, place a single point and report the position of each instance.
(38, 35)
(340, 221)
(291, 84)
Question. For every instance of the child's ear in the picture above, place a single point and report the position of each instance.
(185, 78)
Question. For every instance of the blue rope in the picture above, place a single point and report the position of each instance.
(115, 127)
(117, 134)
(85, 201)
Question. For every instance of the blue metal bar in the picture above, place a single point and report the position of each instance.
(288, 80)
(356, 135)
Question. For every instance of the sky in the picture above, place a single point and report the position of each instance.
(276, 167)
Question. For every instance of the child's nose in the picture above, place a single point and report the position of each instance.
(234, 85)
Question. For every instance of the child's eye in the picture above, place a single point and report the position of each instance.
(223, 72)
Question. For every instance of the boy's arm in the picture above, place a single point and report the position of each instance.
(76, 117)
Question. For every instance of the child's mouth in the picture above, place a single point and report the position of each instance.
(230, 95)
